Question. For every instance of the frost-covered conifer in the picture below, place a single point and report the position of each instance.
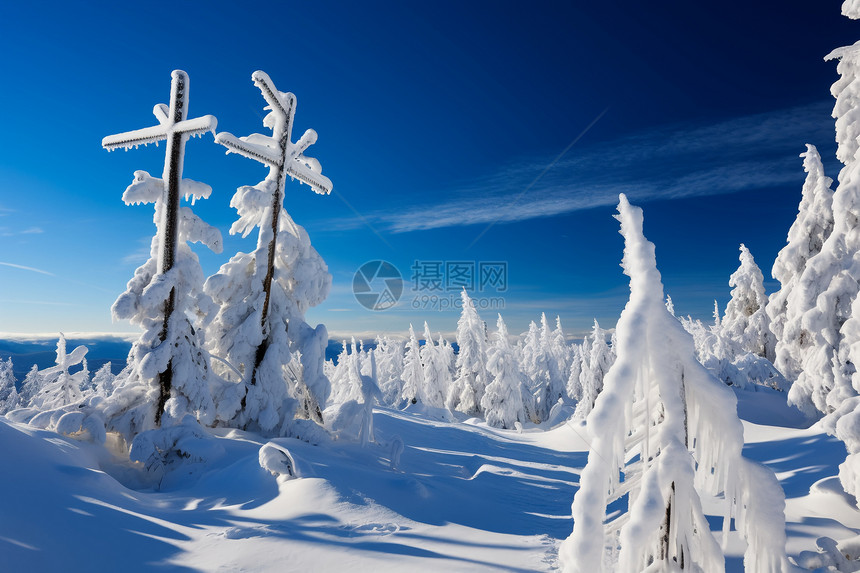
(663, 430)
(168, 373)
(832, 277)
(389, 364)
(746, 322)
(595, 365)
(30, 386)
(536, 369)
(9, 399)
(471, 378)
(503, 401)
(670, 306)
(574, 384)
(263, 295)
(103, 381)
(553, 346)
(413, 371)
(62, 387)
(807, 235)
(437, 371)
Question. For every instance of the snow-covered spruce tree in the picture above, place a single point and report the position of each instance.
(574, 384)
(263, 295)
(62, 387)
(9, 399)
(595, 365)
(556, 361)
(746, 322)
(168, 371)
(806, 237)
(389, 364)
(832, 277)
(662, 430)
(503, 399)
(103, 381)
(471, 378)
(437, 371)
(535, 367)
(413, 372)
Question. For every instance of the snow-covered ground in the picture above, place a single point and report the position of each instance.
(461, 497)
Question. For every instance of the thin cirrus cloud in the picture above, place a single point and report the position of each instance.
(746, 153)
(24, 268)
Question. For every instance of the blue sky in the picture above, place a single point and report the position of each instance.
(452, 131)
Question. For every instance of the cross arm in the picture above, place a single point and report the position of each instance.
(197, 126)
(261, 153)
(270, 93)
(130, 139)
(317, 181)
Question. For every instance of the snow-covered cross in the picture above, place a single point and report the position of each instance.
(284, 158)
(173, 127)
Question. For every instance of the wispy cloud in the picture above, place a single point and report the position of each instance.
(141, 254)
(746, 153)
(23, 268)
(7, 232)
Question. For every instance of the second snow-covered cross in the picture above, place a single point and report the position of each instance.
(284, 158)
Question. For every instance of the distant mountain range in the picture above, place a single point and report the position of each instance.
(25, 352)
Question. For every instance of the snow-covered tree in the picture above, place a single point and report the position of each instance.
(502, 402)
(263, 295)
(437, 371)
(806, 237)
(832, 277)
(103, 381)
(555, 349)
(168, 374)
(389, 364)
(574, 383)
(60, 387)
(413, 371)
(534, 363)
(595, 365)
(663, 430)
(745, 321)
(9, 399)
(472, 378)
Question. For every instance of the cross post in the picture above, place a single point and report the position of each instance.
(175, 128)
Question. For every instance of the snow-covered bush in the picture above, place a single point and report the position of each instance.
(662, 430)
(169, 347)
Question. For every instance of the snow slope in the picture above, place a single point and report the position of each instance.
(463, 497)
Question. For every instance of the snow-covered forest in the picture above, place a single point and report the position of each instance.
(228, 441)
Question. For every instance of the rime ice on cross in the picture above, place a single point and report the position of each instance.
(175, 128)
(284, 158)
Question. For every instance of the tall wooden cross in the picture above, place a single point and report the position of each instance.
(173, 127)
(285, 158)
